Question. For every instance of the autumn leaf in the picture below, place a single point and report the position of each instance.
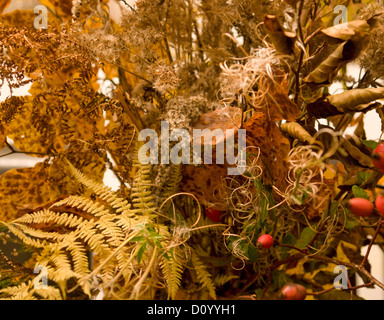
(4, 4)
(43, 183)
(282, 40)
(274, 148)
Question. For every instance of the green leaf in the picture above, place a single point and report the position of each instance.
(141, 251)
(263, 208)
(305, 238)
(370, 144)
(351, 224)
(289, 239)
(362, 176)
(138, 239)
(359, 192)
(252, 253)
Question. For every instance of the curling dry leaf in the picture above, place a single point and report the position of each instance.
(279, 105)
(274, 147)
(282, 40)
(206, 181)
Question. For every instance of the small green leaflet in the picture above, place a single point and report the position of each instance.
(252, 253)
(141, 251)
(300, 199)
(359, 192)
(362, 176)
(305, 238)
(370, 144)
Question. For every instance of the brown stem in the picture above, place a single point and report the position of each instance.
(359, 268)
(317, 293)
(371, 243)
(300, 31)
(292, 247)
(351, 265)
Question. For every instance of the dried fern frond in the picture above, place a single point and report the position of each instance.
(142, 196)
(222, 279)
(27, 291)
(203, 276)
(172, 270)
(104, 192)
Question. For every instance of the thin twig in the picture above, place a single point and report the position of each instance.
(371, 243)
(317, 293)
(300, 30)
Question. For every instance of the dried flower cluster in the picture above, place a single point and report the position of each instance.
(188, 231)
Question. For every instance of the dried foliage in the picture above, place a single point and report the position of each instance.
(266, 67)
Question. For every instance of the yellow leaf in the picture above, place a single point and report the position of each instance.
(340, 254)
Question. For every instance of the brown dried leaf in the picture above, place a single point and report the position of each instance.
(327, 70)
(347, 30)
(224, 118)
(206, 181)
(207, 184)
(282, 40)
(346, 52)
(279, 105)
(295, 130)
(355, 99)
(356, 154)
(274, 148)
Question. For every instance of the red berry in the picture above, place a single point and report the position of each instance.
(361, 207)
(213, 214)
(265, 241)
(293, 291)
(378, 157)
(379, 202)
(380, 148)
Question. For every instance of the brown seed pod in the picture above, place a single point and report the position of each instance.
(347, 30)
(282, 40)
(346, 52)
(355, 99)
(295, 130)
(355, 153)
(325, 71)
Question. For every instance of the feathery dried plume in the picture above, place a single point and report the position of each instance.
(165, 77)
(242, 78)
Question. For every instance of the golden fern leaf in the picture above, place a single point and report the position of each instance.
(203, 276)
(46, 216)
(48, 293)
(91, 235)
(222, 279)
(23, 291)
(79, 257)
(108, 227)
(29, 241)
(104, 192)
(142, 197)
(167, 183)
(28, 291)
(172, 270)
(37, 233)
(83, 203)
